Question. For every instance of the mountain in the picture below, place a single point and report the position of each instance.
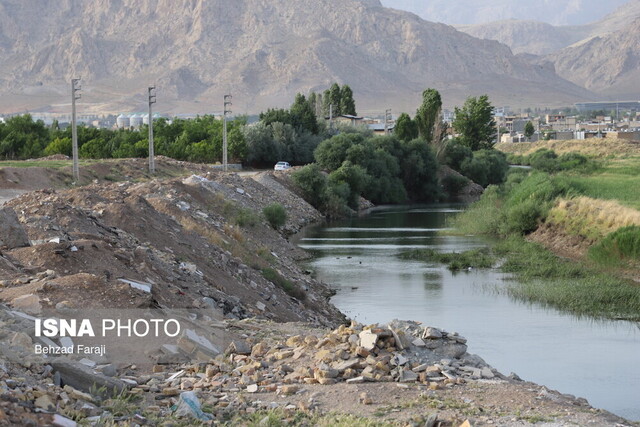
(539, 38)
(261, 51)
(533, 37)
(607, 64)
(473, 12)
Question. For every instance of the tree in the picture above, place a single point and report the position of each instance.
(529, 130)
(302, 115)
(428, 113)
(347, 104)
(474, 122)
(406, 129)
(335, 98)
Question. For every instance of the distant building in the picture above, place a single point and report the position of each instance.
(379, 129)
(2, 120)
(349, 119)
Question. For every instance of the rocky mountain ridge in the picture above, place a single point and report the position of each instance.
(263, 52)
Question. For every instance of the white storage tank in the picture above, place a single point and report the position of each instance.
(122, 121)
(145, 119)
(135, 121)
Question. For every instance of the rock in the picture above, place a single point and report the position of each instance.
(467, 423)
(356, 380)
(239, 347)
(365, 399)
(407, 377)
(418, 342)
(487, 373)
(77, 394)
(45, 402)
(289, 389)
(368, 339)
(170, 391)
(259, 350)
(60, 421)
(22, 340)
(83, 378)
(252, 388)
(432, 333)
(261, 306)
(12, 235)
(30, 304)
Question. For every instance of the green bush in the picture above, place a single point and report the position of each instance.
(618, 248)
(312, 182)
(357, 179)
(246, 218)
(286, 285)
(544, 160)
(275, 215)
(335, 199)
(453, 184)
(455, 154)
(486, 167)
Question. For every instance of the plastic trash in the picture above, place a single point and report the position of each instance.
(189, 406)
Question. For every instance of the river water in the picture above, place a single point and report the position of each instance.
(597, 360)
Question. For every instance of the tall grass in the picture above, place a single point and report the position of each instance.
(456, 261)
(591, 218)
(517, 207)
(618, 249)
(580, 289)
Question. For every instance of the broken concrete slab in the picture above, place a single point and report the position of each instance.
(12, 235)
(83, 378)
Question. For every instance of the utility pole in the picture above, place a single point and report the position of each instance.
(152, 100)
(225, 158)
(387, 116)
(75, 89)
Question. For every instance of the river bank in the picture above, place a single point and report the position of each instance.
(197, 242)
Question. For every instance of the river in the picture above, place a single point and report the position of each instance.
(597, 360)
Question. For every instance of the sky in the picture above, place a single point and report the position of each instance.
(467, 12)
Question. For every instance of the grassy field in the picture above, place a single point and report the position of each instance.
(589, 147)
(56, 164)
(601, 206)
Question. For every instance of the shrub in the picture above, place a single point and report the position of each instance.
(544, 160)
(275, 215)
(312, 182)
(455, 154)
(286, 285)
(620, 247)
(335, 199)
(453, 184)
(357, 179)
(486, 167)
(246, 218)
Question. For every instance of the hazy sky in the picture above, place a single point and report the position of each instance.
(465, 12)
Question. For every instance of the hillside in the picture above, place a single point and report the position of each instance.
(531, 37)
(606, 64)
(540, 38)
(474, 12)
(262, 52)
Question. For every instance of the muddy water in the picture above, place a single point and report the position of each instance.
(599, 361)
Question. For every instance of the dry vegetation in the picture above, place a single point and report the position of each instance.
(591, 147)
(591, 218)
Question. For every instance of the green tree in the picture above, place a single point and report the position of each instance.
(335, 99)
(303, 116)
(474, 122)
(529, 130)
(59, 146)
(347, 104)
(428, 113)
(405, 129)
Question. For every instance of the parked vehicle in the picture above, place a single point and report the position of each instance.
(281, 166)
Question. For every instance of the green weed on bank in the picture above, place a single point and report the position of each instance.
(545, 279)
(475, 258)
